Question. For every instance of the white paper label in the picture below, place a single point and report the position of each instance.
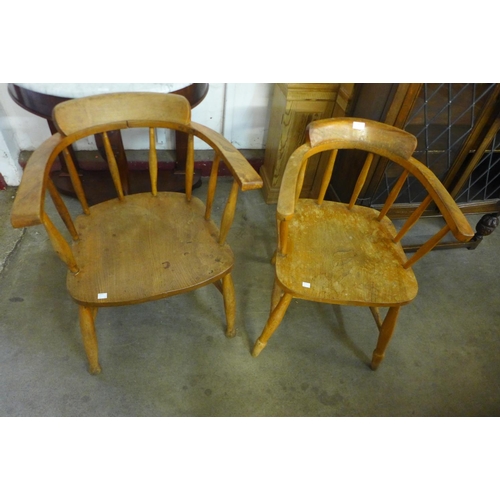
(358, 125)
(102, 295)
(305, 284)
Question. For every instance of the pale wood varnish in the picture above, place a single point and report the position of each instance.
(345, 253)
(229, 304)
(189, 173)
(327, 176)
(361, 180)
(78, 114)
(75, 180)
(153, 162)
(365, 267)
(87, 327)
(140, 247)
(386, 330)
(228, 214)
(113, 166)
(145, 254)
(212, 184)
(62, 209)
(60, 245)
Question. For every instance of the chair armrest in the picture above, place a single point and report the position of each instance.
(27, 208)
(242, 171)
(450, 211)
(287, 195)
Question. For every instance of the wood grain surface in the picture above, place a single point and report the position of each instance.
(344, 256)
(144, 248)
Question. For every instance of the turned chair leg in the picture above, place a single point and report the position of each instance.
(276, 296)
(87, 327)
(229, 304)
(386, 331)
(272, 323)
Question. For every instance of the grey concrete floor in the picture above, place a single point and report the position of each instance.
(171, 358)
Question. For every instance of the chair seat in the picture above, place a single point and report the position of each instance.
(176, 248)
(343, 256)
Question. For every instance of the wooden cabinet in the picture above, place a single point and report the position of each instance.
(294, 106)
(457, 126)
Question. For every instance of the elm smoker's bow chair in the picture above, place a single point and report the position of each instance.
(140, 247)
(347, 254)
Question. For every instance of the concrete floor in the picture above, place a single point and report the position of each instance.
(171, 358)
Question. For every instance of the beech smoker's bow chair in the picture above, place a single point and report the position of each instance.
(343, 253)
(139, 247)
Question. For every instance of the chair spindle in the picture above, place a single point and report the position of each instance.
(327, 176)
(153, 162)
(413, 219)
(113, 166)
(376, 316)
(189, 167)
(212, 183)
(393, 194)
(75, 180)
(62, 209)
(283, 237)
(361, 180)
(59, 244)
(427, 247)
(228, 215)
(300, 179)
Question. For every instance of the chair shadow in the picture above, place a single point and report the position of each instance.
(341, 334)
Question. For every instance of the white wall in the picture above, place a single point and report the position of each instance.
(240, 111)
(9, 150)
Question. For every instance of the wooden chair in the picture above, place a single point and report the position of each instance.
(347, 254)
(140, 247)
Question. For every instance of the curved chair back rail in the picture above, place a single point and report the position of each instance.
(28, 205)
(139, 247)
(75, 115)
(376, 139)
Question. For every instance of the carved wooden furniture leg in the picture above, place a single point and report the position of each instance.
(386, 331)
(87, 327)
(272, 323)
(486, 225)
(229, 304)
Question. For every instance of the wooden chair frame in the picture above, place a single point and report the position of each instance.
(376, 139)
(80, 118)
